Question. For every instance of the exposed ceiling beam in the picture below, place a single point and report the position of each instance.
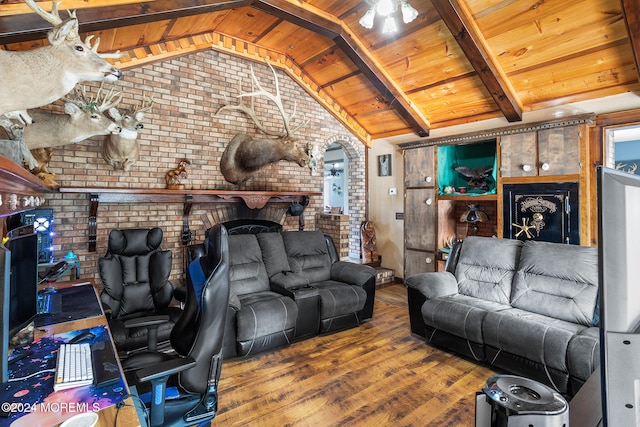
(462, 27)
(631, 9)
(29, 26)
(306, 18)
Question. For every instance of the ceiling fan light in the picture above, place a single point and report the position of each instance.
(367, 19)
(389, 26)
(385, 7)
(408, 12)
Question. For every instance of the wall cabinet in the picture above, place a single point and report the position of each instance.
(541, 153)
(420, 213)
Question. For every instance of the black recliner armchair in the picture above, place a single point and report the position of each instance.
(197, 339)
(135, 277)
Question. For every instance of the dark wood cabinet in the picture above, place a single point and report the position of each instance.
(545, 152)
(420, 211)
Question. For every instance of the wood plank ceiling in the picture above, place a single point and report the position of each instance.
(460, 61)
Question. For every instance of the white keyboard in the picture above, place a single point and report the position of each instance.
(74, 367)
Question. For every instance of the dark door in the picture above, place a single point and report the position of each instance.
(545, 212)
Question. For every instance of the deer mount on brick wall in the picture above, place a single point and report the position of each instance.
(245, 155)
(121, 150)
(40, 76)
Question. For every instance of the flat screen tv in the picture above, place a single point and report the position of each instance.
(5, 285)
(619, 258)
(23, 293)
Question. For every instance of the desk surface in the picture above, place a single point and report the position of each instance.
(54, 408)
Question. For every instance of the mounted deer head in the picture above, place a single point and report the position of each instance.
(83, 119)
(121, 150)
(41, 76)
(244, 154)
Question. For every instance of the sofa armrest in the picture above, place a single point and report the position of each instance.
(234, 302)
(433, 285)
(287, 280)
(353, 274)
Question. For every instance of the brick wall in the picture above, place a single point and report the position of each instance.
(338, 227)
(183, 124)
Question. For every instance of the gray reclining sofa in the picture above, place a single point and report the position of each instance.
(288, 286)
(526, 308)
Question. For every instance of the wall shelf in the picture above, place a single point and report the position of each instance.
(468, 197)
(20, 190)
(252, 199)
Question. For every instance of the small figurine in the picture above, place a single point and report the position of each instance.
(172, 178)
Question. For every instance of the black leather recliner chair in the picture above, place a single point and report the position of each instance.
(135, 277)
(197, 338)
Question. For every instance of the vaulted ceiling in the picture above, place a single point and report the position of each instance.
(460, 61)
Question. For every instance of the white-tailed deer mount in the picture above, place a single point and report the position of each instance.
(121, 150)
(40, 76)
(83, 119)
(245, 155)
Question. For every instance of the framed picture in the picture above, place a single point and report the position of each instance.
(384, 165)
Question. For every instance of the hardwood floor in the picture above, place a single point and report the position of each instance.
(377, 374)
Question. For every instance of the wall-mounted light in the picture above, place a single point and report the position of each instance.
(386, 9)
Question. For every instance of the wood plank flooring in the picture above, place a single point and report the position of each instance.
(377, 374)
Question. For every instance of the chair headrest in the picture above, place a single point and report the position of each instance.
(134, 241)
(217, 248)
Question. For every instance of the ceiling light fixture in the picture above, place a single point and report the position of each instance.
(386, 9)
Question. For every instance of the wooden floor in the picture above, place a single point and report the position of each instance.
(377, 374)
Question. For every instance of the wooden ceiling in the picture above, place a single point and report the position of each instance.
(460, 61)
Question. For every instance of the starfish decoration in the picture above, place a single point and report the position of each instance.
(524, 228)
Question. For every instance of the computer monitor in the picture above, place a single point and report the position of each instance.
(23, 293)
(619, 258)
(5, 285)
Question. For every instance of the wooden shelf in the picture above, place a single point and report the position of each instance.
(468, 197)
(252, 199)
(19, 189)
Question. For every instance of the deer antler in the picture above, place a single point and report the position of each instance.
(275, 98)
(52, 17)
(89, 104)
(145, 105)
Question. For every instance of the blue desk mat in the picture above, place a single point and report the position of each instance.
(30, 386)
(78, 302)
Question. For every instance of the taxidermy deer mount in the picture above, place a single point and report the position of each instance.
(245, 154)
(40, 76)
(121, 150)
(82, 119)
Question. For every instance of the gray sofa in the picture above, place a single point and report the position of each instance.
(527, 308)
(288, 286)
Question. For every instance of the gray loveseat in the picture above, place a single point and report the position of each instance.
(526, 308)
(288, 286)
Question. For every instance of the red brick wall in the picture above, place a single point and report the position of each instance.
(183, 124)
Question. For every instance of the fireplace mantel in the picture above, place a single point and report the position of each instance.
(252, 199)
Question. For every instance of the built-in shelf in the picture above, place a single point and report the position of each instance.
(468, 197)
(252, 199)
(19, 189)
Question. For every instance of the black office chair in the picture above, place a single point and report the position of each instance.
(197, 339)
(135, 276)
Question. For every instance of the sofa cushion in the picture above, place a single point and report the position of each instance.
(308, 254)
(273, 253)
(459, 315)
(246, 270)
(337, 298)
(486, 267)
(556, 280)
(265, 313)
(532, 336)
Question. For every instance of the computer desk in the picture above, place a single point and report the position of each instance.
(126, 415)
